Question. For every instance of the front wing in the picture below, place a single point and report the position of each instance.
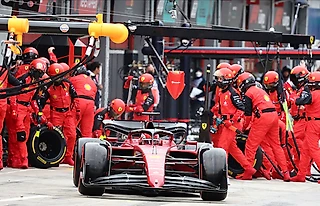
(139, 182)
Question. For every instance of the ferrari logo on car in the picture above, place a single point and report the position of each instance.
(204, 126)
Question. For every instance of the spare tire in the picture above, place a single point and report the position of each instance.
(234, 168)
(46, 150)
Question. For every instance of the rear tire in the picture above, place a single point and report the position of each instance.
(214, 169)
(95, 164)
(77, 157)
(46, 150)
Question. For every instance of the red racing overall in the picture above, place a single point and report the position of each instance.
(86, 91)
(264, 129)
(231, 108)
(310, 147)
(61, 98)
(23, 127)
(144, 103)
(100, 115)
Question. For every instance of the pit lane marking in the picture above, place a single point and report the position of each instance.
(24, 198)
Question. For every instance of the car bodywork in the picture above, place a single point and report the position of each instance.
(152, 157)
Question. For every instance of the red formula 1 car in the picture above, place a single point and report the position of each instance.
(153, 158)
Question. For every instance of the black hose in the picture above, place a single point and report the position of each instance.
(272, 163)
(18, 89)
(289, 152)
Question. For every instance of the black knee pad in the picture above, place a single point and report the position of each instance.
(21, 136)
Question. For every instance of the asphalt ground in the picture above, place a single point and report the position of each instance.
(46, 187)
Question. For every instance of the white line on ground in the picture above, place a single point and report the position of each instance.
(24, 198)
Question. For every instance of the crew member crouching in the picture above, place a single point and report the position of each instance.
(114, 110)
(144, 101)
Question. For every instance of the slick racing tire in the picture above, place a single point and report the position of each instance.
(77, 157)
(234, 168)
(213, 168)
(46, 150)
(95, 164)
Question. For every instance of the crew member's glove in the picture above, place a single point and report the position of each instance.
(213, 130)
(218, 121)
(247, 120)
(50, 125)
(40, 118)
(137, 109)
(96, 134)
(127, 82)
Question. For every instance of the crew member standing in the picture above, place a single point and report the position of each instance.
(144, 98)
(62, 94)
(3, 102)
(22, 126)
(86, 93)
(114, 110)
(264, 128)
(94, 71)
(298, 113)
(231, 110)
(271, 82)
(310, 97)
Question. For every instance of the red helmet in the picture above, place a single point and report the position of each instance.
(38, 64)
(46, 61)
(55, 69)
(65, 66)
(245, 80)
(314, 80)
(224, 77)
(146, 81)
(300, 71)
(314, 77)
(299, 75)
(271, 79)
(236, 69)
(30, 54)
(117, 107)
(223, 65)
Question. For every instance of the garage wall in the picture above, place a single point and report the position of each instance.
(115, 81)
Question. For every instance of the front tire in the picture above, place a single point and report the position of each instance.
(214, 169)
(77, 157)
(94, 165)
